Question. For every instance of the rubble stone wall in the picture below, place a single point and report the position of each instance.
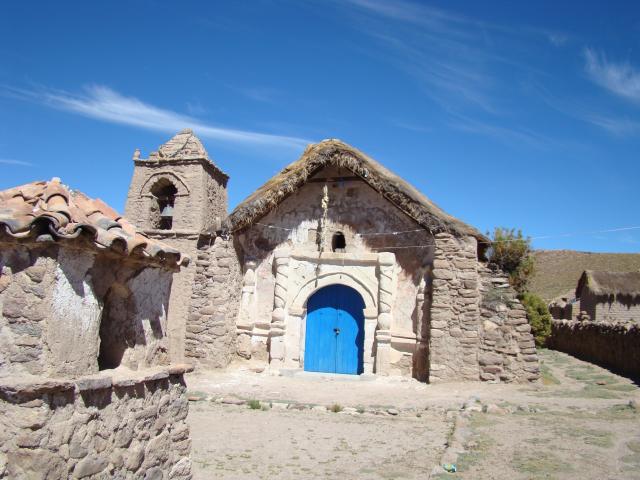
(478, 329)
(507, 347)
(210, 337)
(101, 427)
(455, 298)
(611, 345)
(26, 280)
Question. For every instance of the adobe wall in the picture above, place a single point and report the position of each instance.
(199, 201)
(210, 338)
(366, 219)
(617, 309)
(181, 291)
(54, 299)
(611, 345)
(200, 205)
(105, 426)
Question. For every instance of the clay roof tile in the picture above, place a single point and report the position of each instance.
(52, 208)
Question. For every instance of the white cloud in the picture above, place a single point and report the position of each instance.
(103, 103)
(616, 126)
(6, 161)
(619, 78)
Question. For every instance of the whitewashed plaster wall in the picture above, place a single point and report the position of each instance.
(368, 222)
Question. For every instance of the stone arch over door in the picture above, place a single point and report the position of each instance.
(297, 314)
(335, 278)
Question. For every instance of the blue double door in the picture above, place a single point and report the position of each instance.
(334, 337)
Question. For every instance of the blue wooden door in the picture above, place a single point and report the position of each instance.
(334, 337)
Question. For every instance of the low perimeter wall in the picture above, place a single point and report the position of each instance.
(129, 426)
(615, 346)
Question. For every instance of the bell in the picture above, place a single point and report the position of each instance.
(167, 212)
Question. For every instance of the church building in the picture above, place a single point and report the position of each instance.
(334, 265)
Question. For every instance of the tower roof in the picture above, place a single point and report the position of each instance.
(184, 145)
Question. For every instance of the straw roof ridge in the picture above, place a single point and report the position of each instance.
(610, 283)
(51, 210)
(337, 153)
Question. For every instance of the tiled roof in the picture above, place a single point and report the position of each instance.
(51, 208)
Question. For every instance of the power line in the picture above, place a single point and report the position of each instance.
(537, 237)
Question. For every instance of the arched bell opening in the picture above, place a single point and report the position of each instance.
(164, 193)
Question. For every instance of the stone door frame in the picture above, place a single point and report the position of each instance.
(375, 286)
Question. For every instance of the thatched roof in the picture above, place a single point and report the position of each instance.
(609, 283)
(337, 153)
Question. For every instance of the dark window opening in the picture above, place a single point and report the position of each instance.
(338, 242)
(116, 333)
(162, 211)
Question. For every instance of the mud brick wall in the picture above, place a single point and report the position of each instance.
(95, 427)
(611, 345)
(210, 338)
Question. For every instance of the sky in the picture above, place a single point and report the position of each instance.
(515, 114)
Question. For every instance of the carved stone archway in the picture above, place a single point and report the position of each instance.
(370, 274)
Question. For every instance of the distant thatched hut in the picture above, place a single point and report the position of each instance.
(610, 296)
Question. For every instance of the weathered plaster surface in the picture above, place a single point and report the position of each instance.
(72, 328)
(368, 221)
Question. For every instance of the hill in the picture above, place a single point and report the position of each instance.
(557, 271)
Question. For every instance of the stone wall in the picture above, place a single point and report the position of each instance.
(507, 347)
(455, 298)
(103, 426)
(26, 280)
(478, 329)
(211, 323)
(611, 345)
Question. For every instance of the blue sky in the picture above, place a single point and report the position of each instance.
(518, 114)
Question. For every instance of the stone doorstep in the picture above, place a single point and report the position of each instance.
(33, 384)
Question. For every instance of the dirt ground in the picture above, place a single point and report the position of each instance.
(581, 422)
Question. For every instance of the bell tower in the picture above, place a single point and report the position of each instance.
(177, 195)
(178, 190)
